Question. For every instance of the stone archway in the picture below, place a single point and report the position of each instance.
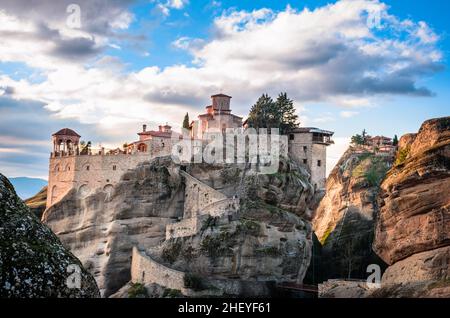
(109, 190)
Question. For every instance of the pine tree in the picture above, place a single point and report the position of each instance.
(395, 140)
(262, 113)
(286, 111)
(269, 114)
(186, 121)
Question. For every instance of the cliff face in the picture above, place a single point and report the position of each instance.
(345, 218)
(267, 239)
(413, 230)
(33, 262)
(102, 228)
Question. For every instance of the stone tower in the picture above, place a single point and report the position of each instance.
(308, 146)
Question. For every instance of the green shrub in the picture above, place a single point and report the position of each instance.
(209, 222)
(218, 245)
(269, 251)
(137, 290)
(326, 235)
(193, 281)
(402, 155)
(249, 227)
(171, 251)
(172, 293)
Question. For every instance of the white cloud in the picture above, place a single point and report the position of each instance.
(166, 6)
(326, 55)
(348, 114)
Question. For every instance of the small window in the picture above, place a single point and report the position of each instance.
(291, 137)
(305, 161)
(305, 148)
(87, 168)
(68, 168)
(114, 167)
(319, 163)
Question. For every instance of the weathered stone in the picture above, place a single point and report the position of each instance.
(102, 228)
(415, 198)
(33, 262)
(344, 220)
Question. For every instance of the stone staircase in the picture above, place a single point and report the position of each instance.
(216, 205)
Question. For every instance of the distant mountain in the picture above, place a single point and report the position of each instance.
(27, 187)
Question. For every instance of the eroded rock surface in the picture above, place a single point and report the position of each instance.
(344, 221)
(415, 198)
(102, 228)
(33, 262)
(413, 230)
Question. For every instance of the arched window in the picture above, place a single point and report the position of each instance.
(87, 168)
(54, 194)
(57, 168)
(142, 148)
(114, 167)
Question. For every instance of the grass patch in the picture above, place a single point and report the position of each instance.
(326, 235)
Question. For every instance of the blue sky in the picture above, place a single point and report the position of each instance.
(134, 62)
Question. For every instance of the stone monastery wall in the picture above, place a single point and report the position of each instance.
(88, 173)
(147, 271)
(198, 196)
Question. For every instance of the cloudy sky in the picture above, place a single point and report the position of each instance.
(348, 64)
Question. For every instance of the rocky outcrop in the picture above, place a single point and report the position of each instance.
(38, 202)
(246, 251)
(344, 221)
(413, 230)
(239, 249)
(102, 229)
(33, 262)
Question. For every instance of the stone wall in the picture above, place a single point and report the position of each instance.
(186, 227)
(198, 195)
(88, 173)
(146, 271)
(221, 207)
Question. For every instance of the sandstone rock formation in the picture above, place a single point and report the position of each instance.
(413, 230)
(344, 220)
(37, 203)
(102, 228)
(266, 240)
(33, 262)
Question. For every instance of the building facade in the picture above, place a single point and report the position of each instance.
(308, 146)
(77, 166)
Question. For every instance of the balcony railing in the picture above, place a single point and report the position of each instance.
(323, 140)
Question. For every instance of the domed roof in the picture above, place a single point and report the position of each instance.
(66, 132)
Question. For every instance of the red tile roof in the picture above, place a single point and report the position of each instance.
(66, 132)
(156, 134)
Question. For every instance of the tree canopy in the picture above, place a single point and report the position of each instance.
(267, 113)
(186, 121)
